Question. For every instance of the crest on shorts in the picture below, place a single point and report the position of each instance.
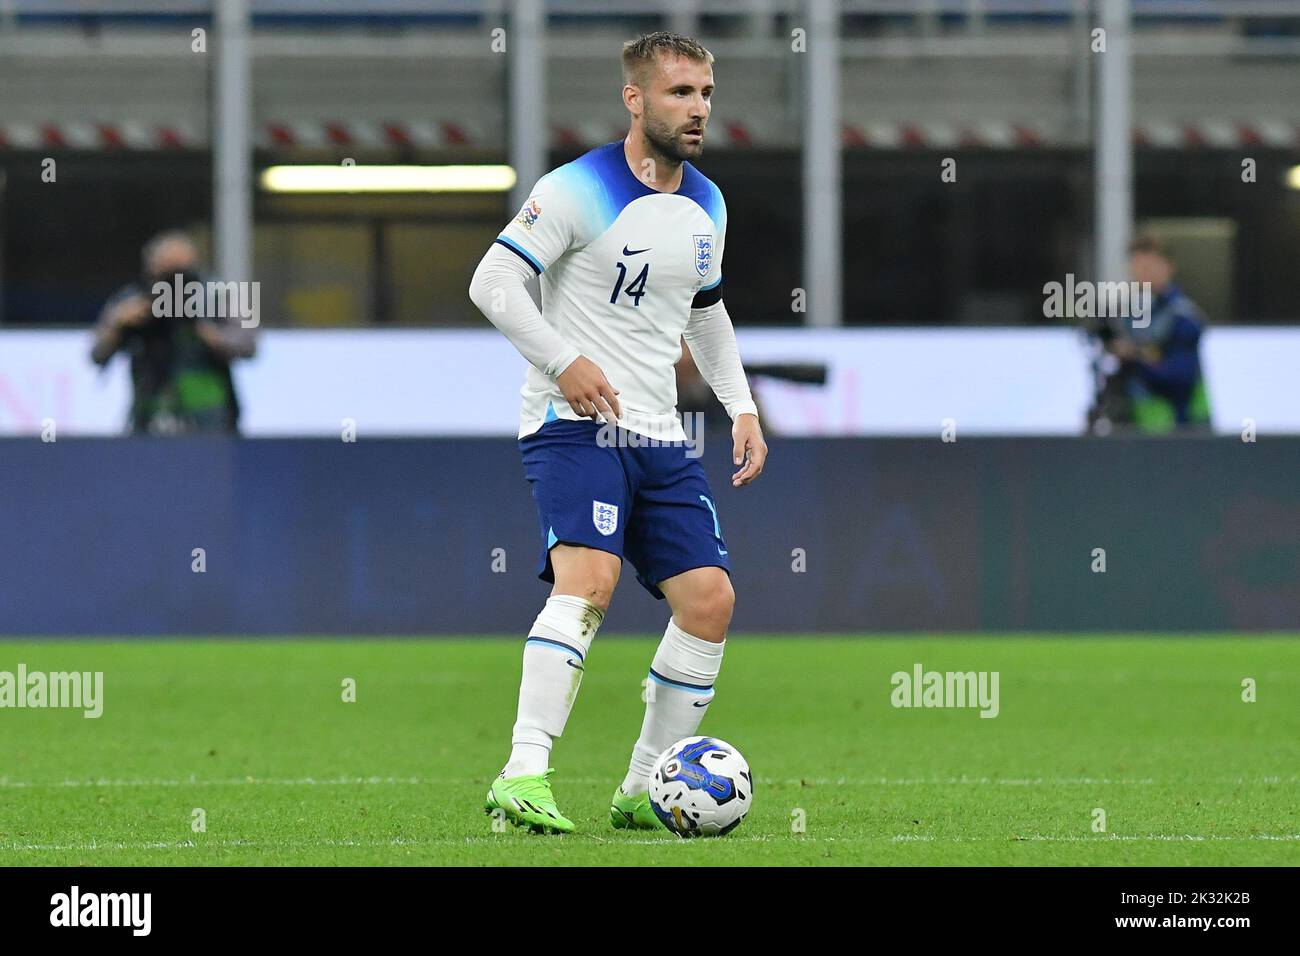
(703, 253)
(604, 516)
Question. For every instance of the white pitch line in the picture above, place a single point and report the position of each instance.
(1037, 838)
(1021, 781)
(193, 845)
(236, 782)
(1102, 838)
(667, 841)
(5, 782)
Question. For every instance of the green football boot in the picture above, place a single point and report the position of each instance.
(527, 801)
(632, 813)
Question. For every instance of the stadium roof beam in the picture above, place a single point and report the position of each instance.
(526, 109)
(822, 227)
(682, 17)
(1113, 148)
(232, 143)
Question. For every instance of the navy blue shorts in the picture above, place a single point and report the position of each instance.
(651, 505)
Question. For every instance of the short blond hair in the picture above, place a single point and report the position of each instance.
(639, 54)
(1150, 242)
(156, 243)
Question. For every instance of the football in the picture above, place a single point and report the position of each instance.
(701, 786)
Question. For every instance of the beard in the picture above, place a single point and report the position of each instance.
(663, 140)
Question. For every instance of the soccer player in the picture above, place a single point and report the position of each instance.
(628, 242)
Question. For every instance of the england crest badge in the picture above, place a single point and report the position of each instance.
(604, 516)
(703, 253)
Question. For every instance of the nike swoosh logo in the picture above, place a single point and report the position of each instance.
(635, 252)
(575, 665)
(702, 703)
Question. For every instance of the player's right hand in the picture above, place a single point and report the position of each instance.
(588, 392)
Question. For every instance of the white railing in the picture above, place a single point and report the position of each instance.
(974, 12)
(879, 381)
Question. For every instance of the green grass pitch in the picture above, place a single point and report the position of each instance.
(1152, 731)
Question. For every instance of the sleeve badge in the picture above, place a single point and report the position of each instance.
(528, 215)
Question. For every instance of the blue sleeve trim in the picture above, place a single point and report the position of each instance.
(522, 253)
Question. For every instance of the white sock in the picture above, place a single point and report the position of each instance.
(554, 656)
(679, 691)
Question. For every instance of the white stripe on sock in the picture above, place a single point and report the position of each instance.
(673, 713)
(554, 659)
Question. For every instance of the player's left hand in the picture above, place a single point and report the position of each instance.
(749, 448)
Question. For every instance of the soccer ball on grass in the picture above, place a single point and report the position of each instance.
(701, 786)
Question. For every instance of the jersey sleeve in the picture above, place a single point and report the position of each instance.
(710, 292)
(545, 228)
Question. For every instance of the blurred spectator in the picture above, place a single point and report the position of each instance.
(1155, 374)
(694, 396)
(180, 365)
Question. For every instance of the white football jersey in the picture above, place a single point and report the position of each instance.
(621, 265)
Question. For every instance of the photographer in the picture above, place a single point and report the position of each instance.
(1151, 377)
(180, 366)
